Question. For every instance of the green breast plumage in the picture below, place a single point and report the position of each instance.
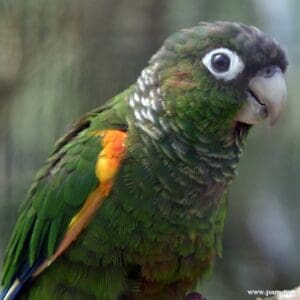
(167, 203)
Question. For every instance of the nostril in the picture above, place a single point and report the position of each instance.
(268, 71)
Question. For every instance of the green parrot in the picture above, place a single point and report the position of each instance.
(131, 202)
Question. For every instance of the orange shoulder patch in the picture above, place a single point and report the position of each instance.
(109, 159)
(108, 163)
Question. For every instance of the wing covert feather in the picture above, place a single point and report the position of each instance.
(60, 190)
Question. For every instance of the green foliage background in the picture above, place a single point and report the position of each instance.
(61, 58)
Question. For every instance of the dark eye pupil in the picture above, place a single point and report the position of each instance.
(220, 62)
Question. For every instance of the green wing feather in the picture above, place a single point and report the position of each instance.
(60, 189)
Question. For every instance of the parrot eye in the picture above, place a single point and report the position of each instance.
(223, 63)
(220, 62)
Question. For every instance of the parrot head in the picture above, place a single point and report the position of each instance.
(221, 75)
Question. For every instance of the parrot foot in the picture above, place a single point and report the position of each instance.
(194, 296)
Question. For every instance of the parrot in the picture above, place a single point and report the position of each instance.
(131, 202)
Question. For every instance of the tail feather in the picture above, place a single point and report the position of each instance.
(3, 294)
(14, 289)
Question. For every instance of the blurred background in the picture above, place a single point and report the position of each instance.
(61, 58)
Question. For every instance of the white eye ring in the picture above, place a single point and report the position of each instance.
(236, 65)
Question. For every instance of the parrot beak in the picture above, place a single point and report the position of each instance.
(266, 97)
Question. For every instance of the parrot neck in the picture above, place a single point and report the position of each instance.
(211, 160)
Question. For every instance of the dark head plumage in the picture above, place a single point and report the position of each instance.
(257, 48)
(248, 52)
